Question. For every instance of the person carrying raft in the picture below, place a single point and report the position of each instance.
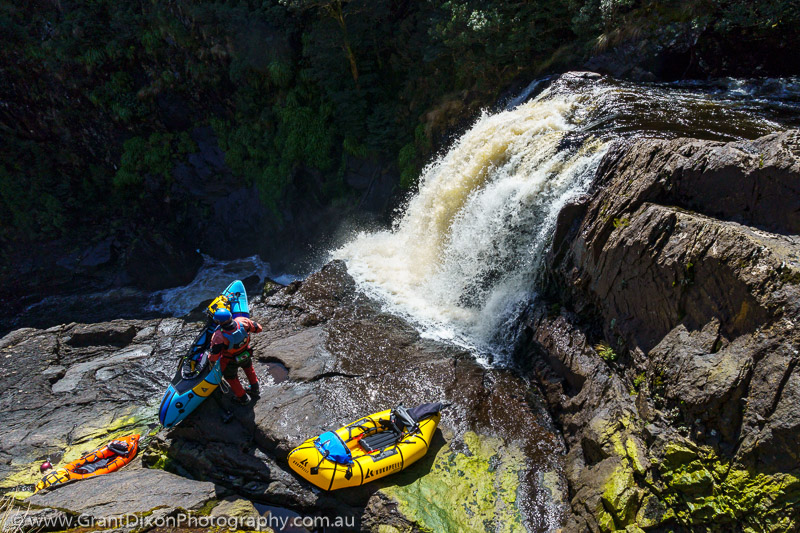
(231, 344)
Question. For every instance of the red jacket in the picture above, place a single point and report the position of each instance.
(230, 343)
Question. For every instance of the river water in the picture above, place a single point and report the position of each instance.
(212, 277)
(464, 256)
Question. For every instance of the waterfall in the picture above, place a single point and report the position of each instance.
(462, 259)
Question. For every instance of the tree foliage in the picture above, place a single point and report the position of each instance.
(99, 99)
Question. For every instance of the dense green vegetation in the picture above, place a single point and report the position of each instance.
(99, 98)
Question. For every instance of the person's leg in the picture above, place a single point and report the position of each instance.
(229, 370)
(252, 377)
(251, 374)
(236, 386)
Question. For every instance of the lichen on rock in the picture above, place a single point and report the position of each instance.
(85, 439)
(352, 360)
(685, 256)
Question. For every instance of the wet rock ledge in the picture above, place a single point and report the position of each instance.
(327, 356)
(668, 348)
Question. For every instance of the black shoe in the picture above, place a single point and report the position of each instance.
(254, 390)
(242, 400)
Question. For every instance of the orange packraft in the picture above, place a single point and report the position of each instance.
(105, 460)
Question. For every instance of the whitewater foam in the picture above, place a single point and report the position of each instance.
(213, 276)
(461, 261)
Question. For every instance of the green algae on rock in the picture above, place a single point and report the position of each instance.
(84, 439)
(620, 494)
(707, 490)
(483, 481)
(328, 363)
(235, 507)
(698, 292)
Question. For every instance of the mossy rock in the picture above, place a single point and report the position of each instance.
(270, 288)
(678, 454)
(653, 512)
(471, 491)
(710, 491)
(620, 494)
(690, 479)
(386, 528)
(234, 507)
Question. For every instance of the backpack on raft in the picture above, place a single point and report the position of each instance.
(401, 422)
(104, 460)
(332, 447)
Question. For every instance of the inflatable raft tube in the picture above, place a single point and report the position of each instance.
(105, 460)
(375, 449)
(186, 391)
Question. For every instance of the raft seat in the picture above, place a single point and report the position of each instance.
(90, 468)
(379, 441)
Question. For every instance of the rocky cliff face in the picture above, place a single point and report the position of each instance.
(669, 348)
(327, 356)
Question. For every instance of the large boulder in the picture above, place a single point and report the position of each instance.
(130, 491)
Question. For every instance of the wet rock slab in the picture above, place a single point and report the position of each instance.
(131, 490)
(343, 358)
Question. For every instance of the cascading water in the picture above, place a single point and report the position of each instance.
(463, 259)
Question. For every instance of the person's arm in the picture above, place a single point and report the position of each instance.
(216, 348)
(255, 327)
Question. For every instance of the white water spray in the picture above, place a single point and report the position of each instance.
(462, 260)
(212, 277)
